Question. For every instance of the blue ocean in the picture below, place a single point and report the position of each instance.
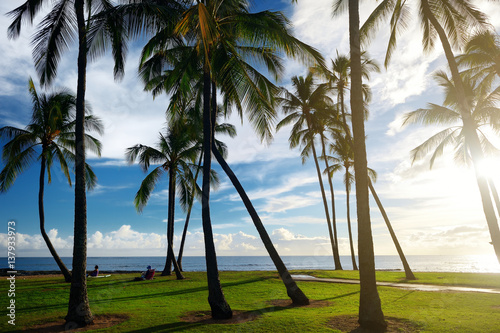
(473, 264)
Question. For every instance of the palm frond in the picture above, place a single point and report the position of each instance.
(437, 142)
(90, 177)
(14, 166)
(24, 13)
(56, 31)
(146, 188)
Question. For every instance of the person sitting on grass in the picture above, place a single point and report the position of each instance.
(95, 272)
(148, 274)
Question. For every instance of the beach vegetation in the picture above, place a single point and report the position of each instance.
(48, 138)
(140, 306)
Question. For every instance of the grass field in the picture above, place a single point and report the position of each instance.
(159, 305)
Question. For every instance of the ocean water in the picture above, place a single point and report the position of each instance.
(473, 264)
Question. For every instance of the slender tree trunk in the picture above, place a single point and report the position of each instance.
(489, 212)
(79, 313)
(408, 273)
(177, 270)
(167, 270)
(53, 252)
(495, 194)
(348, 136)
(344, 120)
(218, 304)
(184, 232)
(323, 195)
(336, 256)
(351, 243)
(293, 291)
(469, 130)
(370, 309)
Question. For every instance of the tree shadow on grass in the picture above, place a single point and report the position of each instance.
(113, 299)
(195, 319)
(341, 296)
(349, 323)
(170, 293)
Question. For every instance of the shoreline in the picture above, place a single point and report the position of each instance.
(4, 272)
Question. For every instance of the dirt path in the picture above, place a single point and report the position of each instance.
(407, 286)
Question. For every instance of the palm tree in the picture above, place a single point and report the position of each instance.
(64, 23)
(408, 272)
(176, 153)
(345, 159)
(222, 35)
(300, 108)
(450, 21)
(484, 113)
(481, 61)
(51, 128)
(370, 309)
(326, 119)
(184, 110)
(338, 77)
(482, 56)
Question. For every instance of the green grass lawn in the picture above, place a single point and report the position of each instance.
(158, 305)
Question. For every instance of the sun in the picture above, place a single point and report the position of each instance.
(490, 168)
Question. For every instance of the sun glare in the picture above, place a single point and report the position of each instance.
(490, 167)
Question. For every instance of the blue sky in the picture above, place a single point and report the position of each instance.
(433, 212)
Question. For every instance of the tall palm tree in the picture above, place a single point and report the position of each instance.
(293, 291)
(338, 77)
(176, 153)
(63, 24)
(51, 128)
(184, 110)
(481, 56)
(299, 108)
(370, 308)
(223, 35)
(344, 158)
(485, 113)
(450, 21)
(481, 61)
(326, 120)
(408, 272)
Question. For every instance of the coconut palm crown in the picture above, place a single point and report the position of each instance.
(48, 138)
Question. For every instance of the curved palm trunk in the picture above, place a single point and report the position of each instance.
(293, 291)
(495, 194)
(408, 273)
(218, 304)
(370, 308)
(183, 239)
(351, 243)
(336, 256)
(177, 270)
(60, 264)
(323, 195)
(489, 212)
(184, 231)
(79, 313)
(167, 270)
(469, 130)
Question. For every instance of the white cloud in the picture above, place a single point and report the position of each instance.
(288, 183)
(272, 219)
(100, 189)
(284, 203)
